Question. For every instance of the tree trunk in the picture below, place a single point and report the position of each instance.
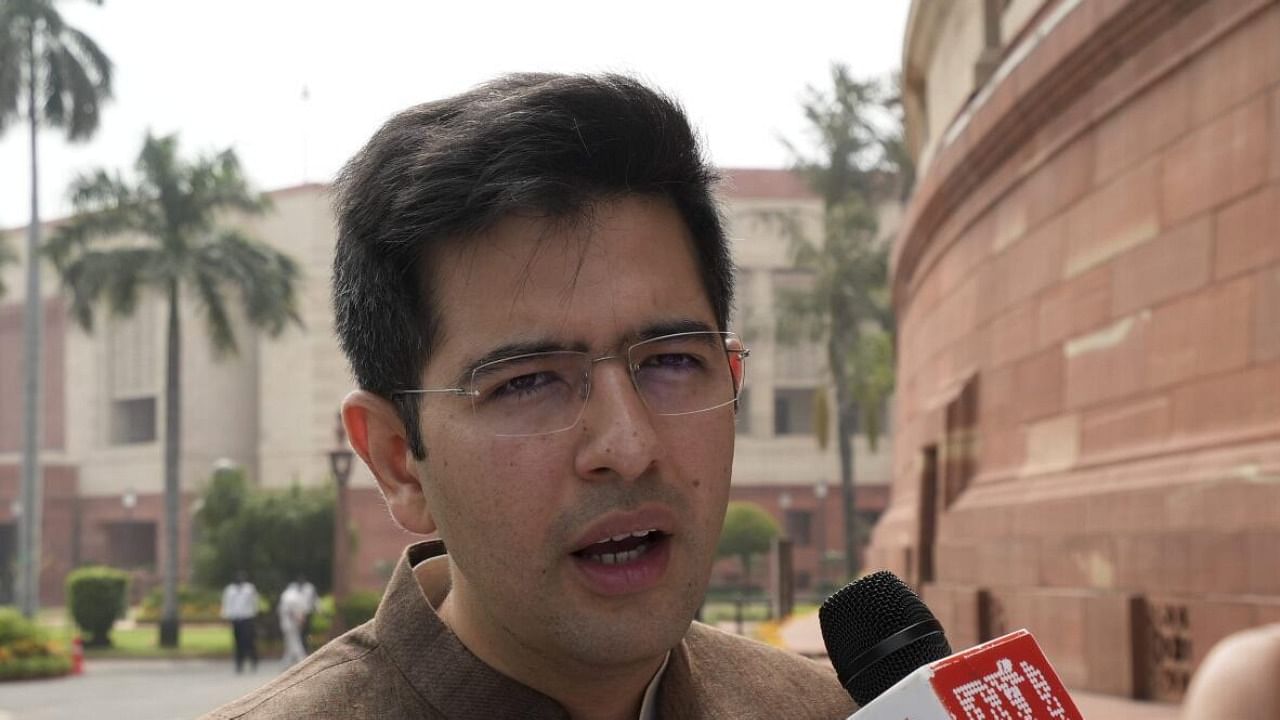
(29, 537)
(845, 427)
(169, 620)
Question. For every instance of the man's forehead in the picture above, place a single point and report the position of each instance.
(532, 285)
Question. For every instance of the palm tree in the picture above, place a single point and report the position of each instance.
(848, 305)
(64, 78)
(174, 206)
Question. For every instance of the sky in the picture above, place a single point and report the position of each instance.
(232, 73)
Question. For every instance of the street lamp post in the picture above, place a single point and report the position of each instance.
(340, 465)
(820, 494)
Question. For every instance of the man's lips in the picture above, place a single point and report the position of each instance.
(626, 525)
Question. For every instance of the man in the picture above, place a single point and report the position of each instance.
(293, 612)
(532, 285)
(240, 607)
(310, 598)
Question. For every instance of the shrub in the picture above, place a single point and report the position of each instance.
(748, 530)
(274, 535)
(13, 626)
(25, 650)
(358, 607)
(96, 598)
(35, 667)
(322, 620)
(194, 605)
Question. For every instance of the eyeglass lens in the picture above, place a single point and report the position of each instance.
(546, 392)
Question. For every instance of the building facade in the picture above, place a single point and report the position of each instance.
(272, 409)
(1087, 284)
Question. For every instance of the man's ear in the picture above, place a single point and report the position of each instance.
(378, 437)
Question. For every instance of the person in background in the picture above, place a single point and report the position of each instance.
(311, 598)
(1239, 679)
(240, 607)
(293, 612)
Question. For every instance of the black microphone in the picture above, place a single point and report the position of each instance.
(877, 631)
(893, 658)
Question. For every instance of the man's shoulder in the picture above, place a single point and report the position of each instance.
(348, 677)
(774, 682)
(713, 644)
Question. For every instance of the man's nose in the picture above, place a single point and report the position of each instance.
(618, 439)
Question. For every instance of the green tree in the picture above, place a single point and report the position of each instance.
(54, 75)
(273, 535)
(859, 164)
(748, 531)
(174, 208)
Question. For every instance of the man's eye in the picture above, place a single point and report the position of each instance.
(673, 361)
(523, 385)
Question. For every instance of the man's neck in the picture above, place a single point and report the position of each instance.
(611, 694)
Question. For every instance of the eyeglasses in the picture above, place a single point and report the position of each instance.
(544, 393)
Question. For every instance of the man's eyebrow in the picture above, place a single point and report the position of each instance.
(672, 327)
(528, 347)
(516, 349)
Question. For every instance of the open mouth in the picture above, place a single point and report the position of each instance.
(622, 549)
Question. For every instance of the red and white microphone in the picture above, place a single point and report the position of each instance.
(892, 657)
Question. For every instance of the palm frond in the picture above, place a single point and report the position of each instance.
(77, 75)
(112, 276)
(93, 59)
(218, 182)
(79, 93)
(12, 55)
(265, 278)
(213, 305)
(105, 208)
(48, 14)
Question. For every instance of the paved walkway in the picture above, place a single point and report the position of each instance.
(803, 634)
(132, 690)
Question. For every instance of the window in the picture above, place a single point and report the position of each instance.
(793, 411)
(133, 374)
(131, 544)
(798, 358)
(133, 421)
(798, 523)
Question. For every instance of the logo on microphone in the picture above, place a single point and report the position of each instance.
(1007, 679)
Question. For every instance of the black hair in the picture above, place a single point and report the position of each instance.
(447, 171)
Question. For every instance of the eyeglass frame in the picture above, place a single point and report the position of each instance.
(743, 353)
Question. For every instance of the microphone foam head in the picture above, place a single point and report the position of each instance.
(860, 616)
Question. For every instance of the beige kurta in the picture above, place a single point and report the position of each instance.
(406, 663)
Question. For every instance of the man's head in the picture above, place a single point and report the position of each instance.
(572, 218)
(440, 174)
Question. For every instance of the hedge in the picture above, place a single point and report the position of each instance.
(97, 597)
(25, 650)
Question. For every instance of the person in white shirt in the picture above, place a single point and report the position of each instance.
(240, 606)
(293, 612)
(312, 598)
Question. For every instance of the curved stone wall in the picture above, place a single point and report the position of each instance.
(1088, 291)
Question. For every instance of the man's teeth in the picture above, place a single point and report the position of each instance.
(624, 536)
(619, 558)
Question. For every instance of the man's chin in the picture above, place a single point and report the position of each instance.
(606, 645)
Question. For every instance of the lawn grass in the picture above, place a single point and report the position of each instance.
(757, 610)
(141, 641)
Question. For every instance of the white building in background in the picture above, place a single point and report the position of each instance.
(272, 409)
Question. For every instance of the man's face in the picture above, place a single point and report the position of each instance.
(519, 514)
